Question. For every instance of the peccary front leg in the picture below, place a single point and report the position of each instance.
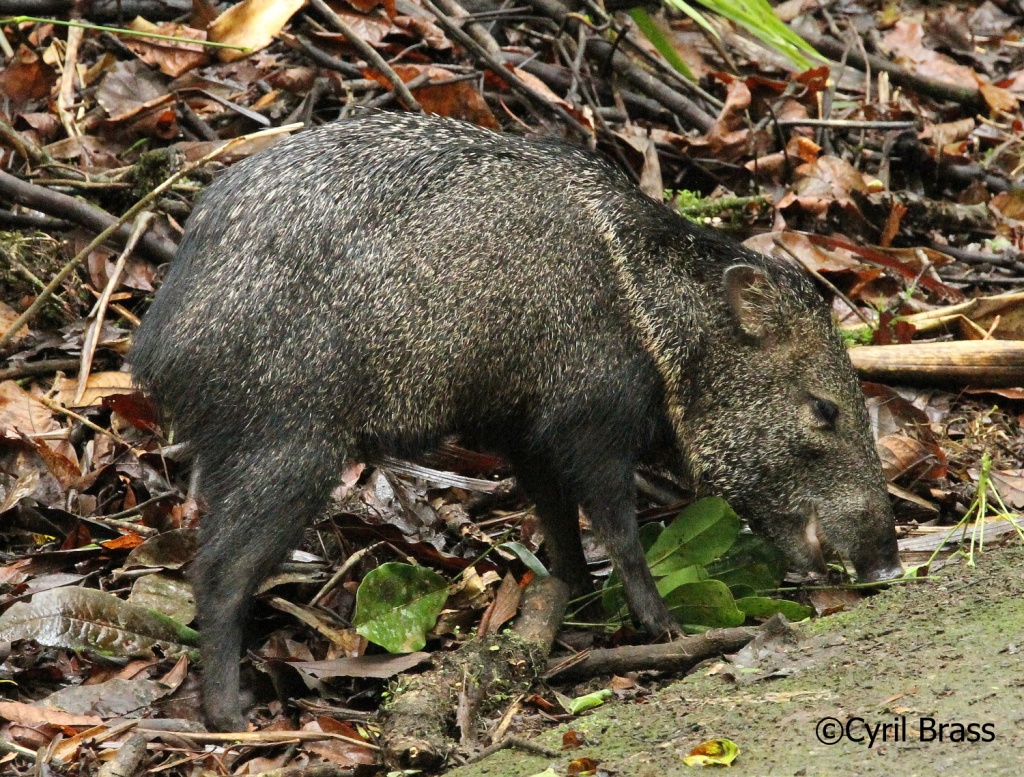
(612, 511)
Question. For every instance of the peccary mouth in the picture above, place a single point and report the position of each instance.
(881, 574)
(817, 549)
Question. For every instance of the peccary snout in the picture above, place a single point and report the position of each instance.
(779, 427)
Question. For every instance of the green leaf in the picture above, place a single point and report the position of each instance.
(167, 593)
(660, 41)
(684, 576)
(750, 562)
(87, 619)
(397, 604)
(649, 534)
(741, 591)
(613, 597)
(701, 533)
(707, 603)
(524, 554)
(697, 16)
(584, 703)
(766, 607)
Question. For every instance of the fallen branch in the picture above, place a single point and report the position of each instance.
(33, 369)
(496, 66)
(968, 94)
(975, 363)
(69, 208)
(473, 28)
(369, 54)
(600, 50)
(676, 656)
(560, 79)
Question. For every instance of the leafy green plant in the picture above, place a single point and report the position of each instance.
(660, 41)
(707, 572)
(980, 510)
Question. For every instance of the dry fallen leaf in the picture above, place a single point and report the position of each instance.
(251, 24)
(172, 57)
(99, 385)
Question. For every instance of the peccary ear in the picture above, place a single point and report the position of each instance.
(749, 292)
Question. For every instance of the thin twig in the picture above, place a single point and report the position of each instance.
(498, 68)
(67, 207)
(823, 280)
(92, 334)
(32, 369)
(476, 30)
(846, 124)
(56, 407)
(369, 54)
(321, 57)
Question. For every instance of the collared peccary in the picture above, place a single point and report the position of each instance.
(371, 286)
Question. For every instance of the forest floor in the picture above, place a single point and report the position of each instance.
(889, 168)
(948, 651)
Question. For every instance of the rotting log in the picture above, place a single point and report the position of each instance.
(419, 721)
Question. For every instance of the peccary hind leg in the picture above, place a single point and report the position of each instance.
(259, 500)
(559, 518)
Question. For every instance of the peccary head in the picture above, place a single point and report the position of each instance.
(778, 425)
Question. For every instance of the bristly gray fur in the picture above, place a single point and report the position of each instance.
(372, 285)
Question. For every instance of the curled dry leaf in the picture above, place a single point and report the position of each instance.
(370, 29)
(25, 78)
(128, 87)
(906, 443)
(251, 24)
(20, 412)
(544, 91)
(42, 715)
(459, 100)
(905, 41)
(728, 137)
(340, 752)
(98, 386)
(172, 57)
(825, 181)
(906, 457)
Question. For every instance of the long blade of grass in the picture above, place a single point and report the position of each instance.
(660, 41)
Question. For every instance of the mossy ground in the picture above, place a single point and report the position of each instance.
(950, 649)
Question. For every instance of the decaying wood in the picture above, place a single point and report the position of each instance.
(418, 722)
(130, 759)
(975, 363)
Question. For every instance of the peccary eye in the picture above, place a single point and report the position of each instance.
(826, 411)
